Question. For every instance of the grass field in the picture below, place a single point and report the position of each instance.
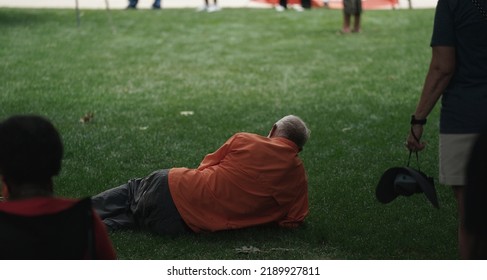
(237, 70)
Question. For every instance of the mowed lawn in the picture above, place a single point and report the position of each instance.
(167, 87)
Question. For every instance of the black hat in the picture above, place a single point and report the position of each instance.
(405, 181)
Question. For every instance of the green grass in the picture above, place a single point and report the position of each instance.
(237, 70)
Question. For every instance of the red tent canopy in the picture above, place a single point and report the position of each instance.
(337, 4)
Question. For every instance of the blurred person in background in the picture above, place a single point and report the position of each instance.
(133, 4)
(351, 8)
(209, 8)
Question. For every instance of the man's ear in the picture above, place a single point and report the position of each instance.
(273, 131)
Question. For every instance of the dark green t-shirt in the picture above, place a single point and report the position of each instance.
(459, 24)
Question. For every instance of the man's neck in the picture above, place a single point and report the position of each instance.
(30, 190)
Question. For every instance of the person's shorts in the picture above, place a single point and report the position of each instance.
(454, 154)
(352, 7)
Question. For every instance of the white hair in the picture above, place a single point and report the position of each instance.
(294, 129)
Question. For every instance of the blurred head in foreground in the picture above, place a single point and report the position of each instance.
(30, 155)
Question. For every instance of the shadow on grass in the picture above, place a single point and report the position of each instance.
(25, 17)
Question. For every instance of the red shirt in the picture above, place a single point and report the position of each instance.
(250, 180)
(49, 205)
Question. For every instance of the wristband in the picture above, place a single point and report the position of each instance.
(416, 121)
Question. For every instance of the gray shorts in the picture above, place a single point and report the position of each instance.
(454, 153)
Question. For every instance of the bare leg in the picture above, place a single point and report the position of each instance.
(346, 23)
(356, 24)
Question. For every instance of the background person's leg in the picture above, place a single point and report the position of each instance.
(157, 4)
(132, 4)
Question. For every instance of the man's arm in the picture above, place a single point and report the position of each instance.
(298, 210)
(216, 157)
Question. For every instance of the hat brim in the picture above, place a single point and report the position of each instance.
(385, 191)
(427, 185)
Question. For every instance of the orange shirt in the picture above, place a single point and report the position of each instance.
(250, 180)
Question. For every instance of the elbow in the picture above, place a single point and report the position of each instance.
(444, 71)
(443, 62)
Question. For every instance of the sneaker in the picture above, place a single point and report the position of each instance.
(156, 7)
(280, 8)
(298, 8)
(131, 7)
(202, 8)
(213, 8)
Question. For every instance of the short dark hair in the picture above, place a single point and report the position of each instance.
(31, 150)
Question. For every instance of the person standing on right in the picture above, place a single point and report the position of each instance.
(351, 7)
(457, 74)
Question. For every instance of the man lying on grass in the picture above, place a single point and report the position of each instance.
(251, 180)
